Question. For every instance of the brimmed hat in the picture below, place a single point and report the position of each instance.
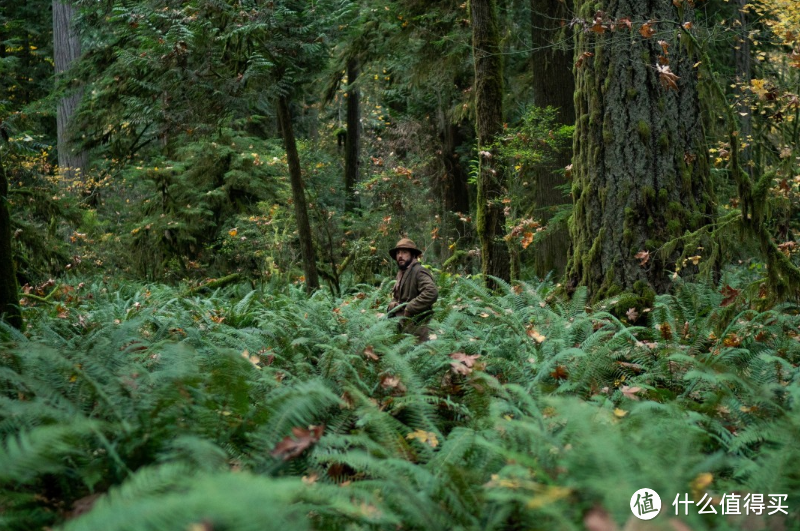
(406, 244)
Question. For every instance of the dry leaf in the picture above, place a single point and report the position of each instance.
(560, 373)
(632, 314)
(643, 257)
(369, 352)
(579, 64)
(301, 439)
(667, 77)
(466, 359)
(527, 239)
(729, 295)
(535, 335)
(630, 392)
(619, 413)
(647, 30)
(425, 437)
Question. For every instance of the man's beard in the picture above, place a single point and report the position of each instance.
(403, 266)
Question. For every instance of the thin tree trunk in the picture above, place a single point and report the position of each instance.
(66, 50)
(353, 139)
(454, 185)
(491, 219)
(744, 66)
(640, 168)
(553, 85)
(9, 295)
(298, 196)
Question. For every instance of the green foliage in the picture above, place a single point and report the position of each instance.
(523, 410)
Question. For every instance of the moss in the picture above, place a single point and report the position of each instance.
(663, 194)
(627, 236)
(649, 193)
(643, 128)
(662, 104)
(650, 221)
(632, 93)
(663, 141)
(674, 207)
(674, 227)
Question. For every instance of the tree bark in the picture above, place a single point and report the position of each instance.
(454, 184)
(552, 85)
(9, 295)
(66, 50)
(353, 138)
(298, 196)
(640, 166)
(743, 60)
(491, 219)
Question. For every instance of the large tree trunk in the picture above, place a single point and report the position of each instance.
(491, 219)
(298, 195)
(553, 85)
(640, 166)
(353, 139)
(9, 297)
(66, 50)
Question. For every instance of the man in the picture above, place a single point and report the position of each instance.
(414, 292)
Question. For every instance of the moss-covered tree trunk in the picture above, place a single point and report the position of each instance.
(552, 85)
(9, 297)
(298, 195)
(353, 139)
(640, 167)
(491, 219)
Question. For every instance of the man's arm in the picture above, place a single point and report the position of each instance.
(428, 293)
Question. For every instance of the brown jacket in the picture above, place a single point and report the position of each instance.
(416, 287)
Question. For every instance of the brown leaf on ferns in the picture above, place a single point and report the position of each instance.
(301, 439)
(729, 295)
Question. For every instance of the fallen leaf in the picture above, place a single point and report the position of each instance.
(425, 437)
(294, 445)
(630, 392)
(643, 257)
(632, 314)
(729, 295)
(620, 412)
(535, 335)
(560, 373)
(464, 358)
(369, 352)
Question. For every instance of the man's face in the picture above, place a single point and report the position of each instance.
(403, 257)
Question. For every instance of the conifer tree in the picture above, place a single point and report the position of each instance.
(66, 50)
(491, 218)
(640, 170)
(553, 85)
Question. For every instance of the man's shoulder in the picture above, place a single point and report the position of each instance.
(419, 269)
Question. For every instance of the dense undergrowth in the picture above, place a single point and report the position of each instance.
(129, 406)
